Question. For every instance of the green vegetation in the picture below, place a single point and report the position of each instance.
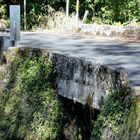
(100, 11)
(124, 11)
(29, 106)
(31, 109)
(2, 11)
(131, 127)
(111, 117)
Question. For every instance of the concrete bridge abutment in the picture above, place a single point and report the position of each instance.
(86, 81)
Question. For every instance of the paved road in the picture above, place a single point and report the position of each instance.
(112, 52)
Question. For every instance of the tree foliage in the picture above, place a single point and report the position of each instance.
(104, 11)
(117, 11)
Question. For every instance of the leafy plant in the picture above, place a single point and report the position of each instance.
(2, 11)
(31, 108)
(111, 116)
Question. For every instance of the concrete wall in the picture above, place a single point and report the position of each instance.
(127, 32)
(81, 80)
(86, 81)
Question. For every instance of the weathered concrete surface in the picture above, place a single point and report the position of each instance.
(130, 32)
(86, 81)
(5, 39)
(86, 70)
(108, 52)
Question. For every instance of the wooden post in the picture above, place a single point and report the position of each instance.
(67, 13)
(85, 16)
(77, 13)
(67, 8)
(25, 15)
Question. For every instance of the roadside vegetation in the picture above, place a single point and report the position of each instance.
(119, 118)
(29, 106)
(121, 12)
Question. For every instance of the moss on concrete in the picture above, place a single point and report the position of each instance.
(119, 119)
(30, 108)
(131, 127)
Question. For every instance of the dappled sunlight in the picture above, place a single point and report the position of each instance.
(110, 52)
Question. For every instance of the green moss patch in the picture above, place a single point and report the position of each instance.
(112, 116)
(131, 127)
(119, 118)
(30, 108)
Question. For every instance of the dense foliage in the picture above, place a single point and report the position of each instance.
(30, 109)
(112, 116)
(100, 11)
(131, 127)
(2, 11)
(29, 106)
(110, 11)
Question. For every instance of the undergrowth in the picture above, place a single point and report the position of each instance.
(111, 117)
(30, 108)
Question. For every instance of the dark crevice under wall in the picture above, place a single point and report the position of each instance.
(78, 118)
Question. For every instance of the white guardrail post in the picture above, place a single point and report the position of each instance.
(14, 24)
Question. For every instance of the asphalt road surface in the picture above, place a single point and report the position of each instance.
(111, 52)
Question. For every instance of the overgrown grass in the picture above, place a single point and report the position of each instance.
(30, 108)
(131, 127)
(111, 117)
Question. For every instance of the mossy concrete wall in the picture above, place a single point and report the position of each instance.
(29, 106)
(119, 118)
(131, 127)
(86, 81)
(82, 80)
